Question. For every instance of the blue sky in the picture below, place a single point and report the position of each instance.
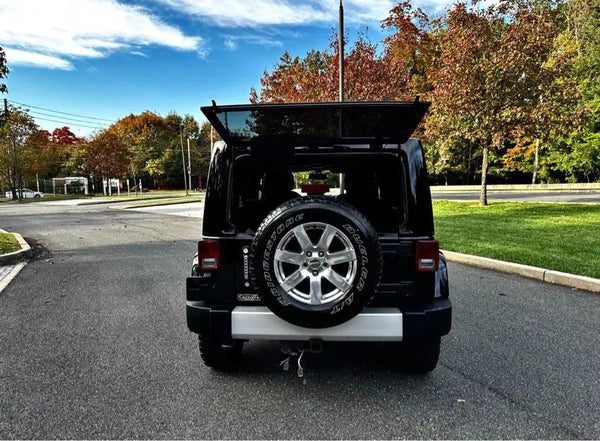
(108, 58)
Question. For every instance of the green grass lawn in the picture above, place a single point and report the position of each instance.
(561, 237)
(8, 243)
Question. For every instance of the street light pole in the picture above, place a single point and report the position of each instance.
(341, 82)
(341, 52)
(189, 170)
(183, 159)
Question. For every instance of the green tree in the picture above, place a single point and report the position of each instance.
(16, 138)
(201, 155)
(577, 154)
(4, 71)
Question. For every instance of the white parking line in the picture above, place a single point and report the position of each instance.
(11, 274)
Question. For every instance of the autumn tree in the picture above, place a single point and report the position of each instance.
(146, 136)
(65, 152)
(369, 76)
(107, 155)
(409, 50)
(38, 157)
(545, 107)
(490, 75)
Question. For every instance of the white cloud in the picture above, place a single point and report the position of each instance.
(16, 56)
(249, 13)
(259, 13)
(276, 12)
(231, 42)
(59, 29)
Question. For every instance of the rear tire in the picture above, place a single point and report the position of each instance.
(217, 355)
(419, 356)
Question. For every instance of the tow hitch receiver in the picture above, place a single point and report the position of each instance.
(315, 346)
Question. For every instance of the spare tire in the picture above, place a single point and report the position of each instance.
(316, 261)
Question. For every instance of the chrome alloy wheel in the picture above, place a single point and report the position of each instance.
(315, 264)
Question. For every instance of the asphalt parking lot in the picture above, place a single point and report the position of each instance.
(94, 344)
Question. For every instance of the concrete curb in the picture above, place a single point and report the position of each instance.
(544, 275)
(17, 256)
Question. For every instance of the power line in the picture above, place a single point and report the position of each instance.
(62, 113)
(68, 124)
(66, 118)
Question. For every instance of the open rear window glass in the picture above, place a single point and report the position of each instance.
(318, 122)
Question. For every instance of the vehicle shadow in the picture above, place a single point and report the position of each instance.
(335, 359)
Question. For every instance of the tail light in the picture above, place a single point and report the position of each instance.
(427, 255)
(208, 255)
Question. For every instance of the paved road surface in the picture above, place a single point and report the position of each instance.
(533, 196)
(94, 344)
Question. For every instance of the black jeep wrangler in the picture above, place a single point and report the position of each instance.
(284, 257)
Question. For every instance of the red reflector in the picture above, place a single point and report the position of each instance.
(315, 188)
(208, 255)
(427, 255)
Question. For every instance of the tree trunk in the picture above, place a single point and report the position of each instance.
(536, 162)
(484, 168)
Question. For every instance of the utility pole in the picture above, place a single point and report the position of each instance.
(341, 51)
(189, 170)
(183, 159)
(341, 82)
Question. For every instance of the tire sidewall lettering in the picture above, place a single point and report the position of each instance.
(267, 264)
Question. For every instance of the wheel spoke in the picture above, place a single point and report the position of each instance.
(289, 257)
(326, 238)
(293, 280)
(338, 281)
(303, 239)
(316, 295)
(345, 256)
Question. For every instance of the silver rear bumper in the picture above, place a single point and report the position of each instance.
(373, 324)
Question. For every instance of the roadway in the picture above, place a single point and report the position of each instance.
(94, 344)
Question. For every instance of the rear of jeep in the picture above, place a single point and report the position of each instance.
(284, 257)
